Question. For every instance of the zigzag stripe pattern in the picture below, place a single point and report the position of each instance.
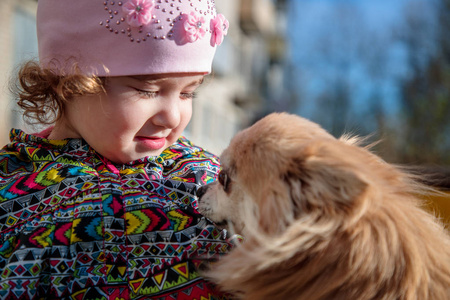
(72, 227)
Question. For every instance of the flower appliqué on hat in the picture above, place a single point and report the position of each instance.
(194, 26)
(219, 28)
(138, 12)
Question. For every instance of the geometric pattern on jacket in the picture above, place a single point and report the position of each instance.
(73, 225)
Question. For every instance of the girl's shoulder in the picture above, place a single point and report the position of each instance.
(28, 153)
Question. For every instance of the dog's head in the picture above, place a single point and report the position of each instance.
(285, 167)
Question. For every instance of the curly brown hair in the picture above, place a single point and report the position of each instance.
(42, 93)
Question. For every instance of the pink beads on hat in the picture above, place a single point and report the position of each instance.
(135, 37)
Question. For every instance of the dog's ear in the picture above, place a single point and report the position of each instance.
(275, 209)
(325, 180)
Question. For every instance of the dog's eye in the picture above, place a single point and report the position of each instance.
(223, 179)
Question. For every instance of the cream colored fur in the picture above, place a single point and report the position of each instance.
(323, 218)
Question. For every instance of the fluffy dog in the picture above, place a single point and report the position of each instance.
(323, 218)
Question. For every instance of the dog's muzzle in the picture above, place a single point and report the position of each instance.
(202, 191)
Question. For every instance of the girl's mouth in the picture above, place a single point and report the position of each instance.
(152, 143)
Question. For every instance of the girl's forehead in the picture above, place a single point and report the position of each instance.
(196, 77)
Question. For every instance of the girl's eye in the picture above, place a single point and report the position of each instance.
(153, 94)
(147, 94)
(188, 95)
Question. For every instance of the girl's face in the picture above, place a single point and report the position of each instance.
(137, 116)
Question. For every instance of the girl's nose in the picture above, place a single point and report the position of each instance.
(168, 115)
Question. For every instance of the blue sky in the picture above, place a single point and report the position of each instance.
(355, 41)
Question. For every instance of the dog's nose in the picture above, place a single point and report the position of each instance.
(201, 191)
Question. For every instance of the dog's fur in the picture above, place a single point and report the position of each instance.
(323, 218)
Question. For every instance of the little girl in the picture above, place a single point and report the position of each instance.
(102, 204)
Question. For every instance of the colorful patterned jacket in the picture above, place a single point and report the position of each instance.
(75, 226)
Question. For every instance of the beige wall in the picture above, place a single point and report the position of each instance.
(9, 116)
(6, 64)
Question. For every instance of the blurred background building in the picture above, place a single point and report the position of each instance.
(247, 72)
(378, 67)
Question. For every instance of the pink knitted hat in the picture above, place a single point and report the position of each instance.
(129, 37)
